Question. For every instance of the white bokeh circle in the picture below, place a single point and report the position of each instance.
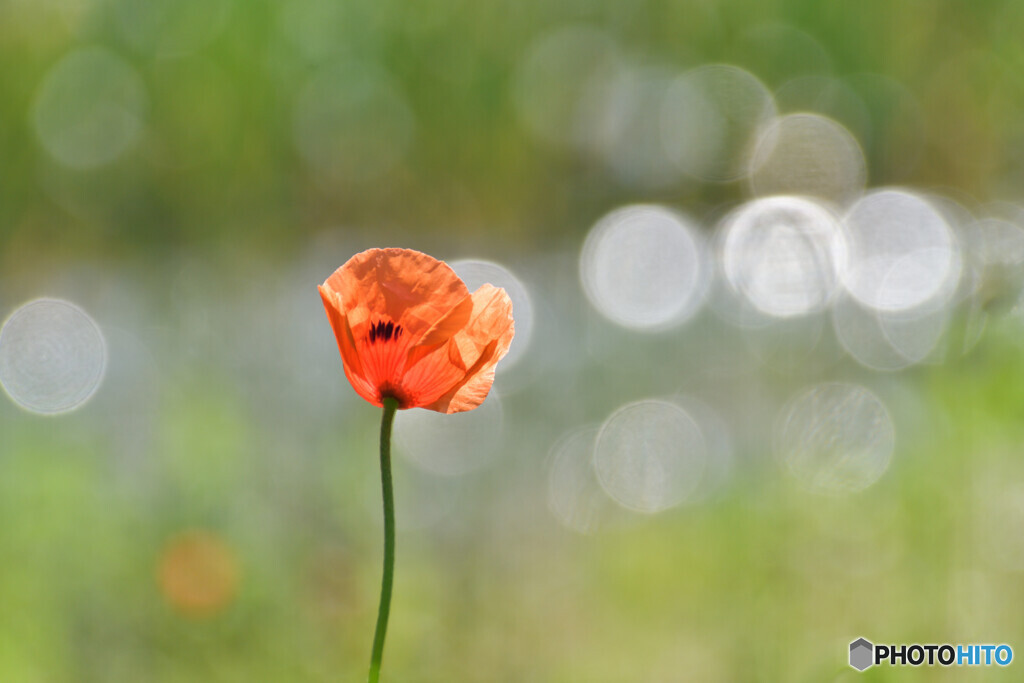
(650, 456)
(643, 267)
(808, 154)
(903, 253)
(52, 356)
(785, 255)
(835, 438)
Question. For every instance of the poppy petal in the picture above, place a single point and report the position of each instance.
(440, 332)
(346, 345)
(408, 287)
(474, 387)
(450, 323)
(491, 319)
(480, 345)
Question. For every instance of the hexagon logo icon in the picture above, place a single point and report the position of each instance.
(861, 654)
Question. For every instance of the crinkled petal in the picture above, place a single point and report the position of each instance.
(408, 287)
(433, 375)
(474, 387)
(350, 359)
(478, 347)
(491, 319)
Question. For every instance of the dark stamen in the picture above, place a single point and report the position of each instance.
(384, 331)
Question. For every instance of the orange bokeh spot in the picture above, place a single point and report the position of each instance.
(197, 574)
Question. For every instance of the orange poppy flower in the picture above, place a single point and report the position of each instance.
(408, 327)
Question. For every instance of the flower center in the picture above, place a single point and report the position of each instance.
(384, 360)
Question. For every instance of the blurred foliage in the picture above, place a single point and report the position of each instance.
(217, 165)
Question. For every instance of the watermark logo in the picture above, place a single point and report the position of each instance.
(861, 654)
(864, 654)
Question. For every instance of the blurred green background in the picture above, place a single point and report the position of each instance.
(187, 171)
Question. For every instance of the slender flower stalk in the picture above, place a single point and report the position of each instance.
(387, 419)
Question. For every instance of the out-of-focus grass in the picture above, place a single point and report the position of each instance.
(765, 583)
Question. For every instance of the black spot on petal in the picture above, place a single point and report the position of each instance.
(383, 331)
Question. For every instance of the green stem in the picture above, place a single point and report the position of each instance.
(390, 406)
